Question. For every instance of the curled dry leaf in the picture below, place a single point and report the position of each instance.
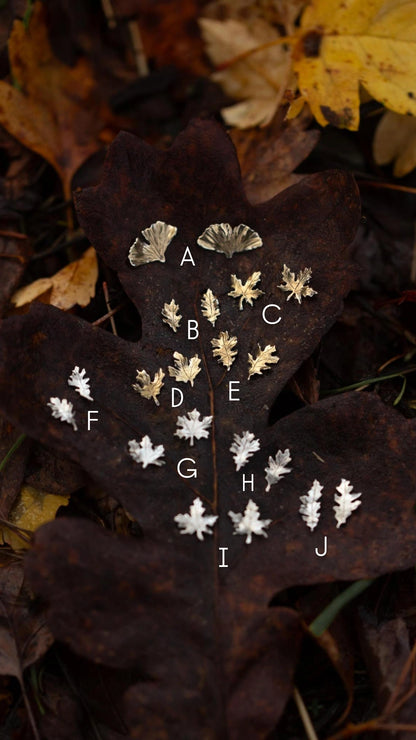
(73, 285)
(259, 80)
(395, 141)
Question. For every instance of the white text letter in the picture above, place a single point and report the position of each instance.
(191, 471)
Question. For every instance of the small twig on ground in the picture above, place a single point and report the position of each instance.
(138, 50)
(109, 13)
(110, 312)
(385, 185)
(108, 315)
(304, 715)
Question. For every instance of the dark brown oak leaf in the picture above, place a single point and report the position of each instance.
(53, 109)
(15, 251)
(205, 638)
(218, 661)
(196, 183)
(24, 636)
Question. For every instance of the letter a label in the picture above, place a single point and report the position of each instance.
(187, 257)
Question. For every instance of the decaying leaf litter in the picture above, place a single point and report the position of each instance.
(263, 277)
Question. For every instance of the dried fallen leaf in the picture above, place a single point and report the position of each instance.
(395, 141)
(259, 80)
(341, 46)
(51, 108)
(24, 637)
(32, 509)
(74, 284)
(169, 30)
(268, 156)
(387, 653)
(14, 254)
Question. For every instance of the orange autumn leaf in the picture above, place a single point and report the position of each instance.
(74, 284)
(52, 108)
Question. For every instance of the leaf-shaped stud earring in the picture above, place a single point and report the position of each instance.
(310, 505)
(345, 502)
(228, 240)
(262, 361)
(223, 348)
(249, 522)
(147, 387)
(196, 522)
(63, 410)
(245, 291)
(145, 453)
(192, 427)
(297, 286)
(277, 467)
(185, 370)
(81, 384)
(243, 447)
(210, 306)
(159, 235)
(171, 315)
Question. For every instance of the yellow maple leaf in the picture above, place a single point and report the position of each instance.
(52, 108)
(32, 509)
(74, 284)
(342, 45)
